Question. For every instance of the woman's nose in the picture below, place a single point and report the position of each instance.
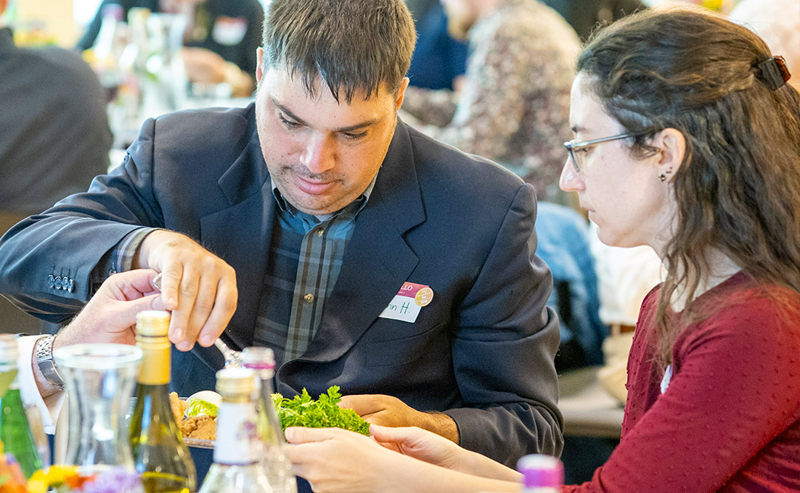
(570, 180)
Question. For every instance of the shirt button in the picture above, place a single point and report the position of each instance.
(320, 232)
(309, 298)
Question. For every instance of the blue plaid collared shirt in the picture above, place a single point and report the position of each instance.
(318, 265)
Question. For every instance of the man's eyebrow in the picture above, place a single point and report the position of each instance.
(348, 128)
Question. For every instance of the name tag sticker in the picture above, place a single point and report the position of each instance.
(407, 303)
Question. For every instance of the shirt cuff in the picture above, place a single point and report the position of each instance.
(120, 258)
(49, 407)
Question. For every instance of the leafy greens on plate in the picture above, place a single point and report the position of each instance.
(322, 413)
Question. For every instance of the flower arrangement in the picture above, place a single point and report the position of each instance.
(66, 479)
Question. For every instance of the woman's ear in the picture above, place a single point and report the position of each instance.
(672, 148)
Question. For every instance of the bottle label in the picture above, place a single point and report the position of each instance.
(237, 438)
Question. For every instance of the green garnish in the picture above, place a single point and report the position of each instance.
(322, 413)
(199, 406)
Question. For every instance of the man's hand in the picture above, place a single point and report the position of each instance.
(386, 410)
(206, 67)
(196, 285)
(109, 317)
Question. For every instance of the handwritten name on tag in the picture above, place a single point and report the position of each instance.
(407, 303)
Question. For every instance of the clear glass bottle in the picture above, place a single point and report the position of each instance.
(108, 47)
(98, 379)
(279, 470)
(237, 467)
(541, 474)
(15, 431)
(159, 453)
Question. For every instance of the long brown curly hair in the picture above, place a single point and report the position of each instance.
(738, 187)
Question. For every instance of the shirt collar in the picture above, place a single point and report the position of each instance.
(354, 207)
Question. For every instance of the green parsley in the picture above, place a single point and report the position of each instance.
(322, 413)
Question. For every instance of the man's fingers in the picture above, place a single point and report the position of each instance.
(174, 288)
(363, 405)
(170, 284)
(202, 288)
(132, 308)
(224, 307)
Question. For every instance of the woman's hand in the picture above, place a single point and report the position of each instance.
(333, 460)
(420, 444)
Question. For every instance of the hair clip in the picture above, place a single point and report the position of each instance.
(773, 72)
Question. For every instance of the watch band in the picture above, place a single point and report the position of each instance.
(47, 365)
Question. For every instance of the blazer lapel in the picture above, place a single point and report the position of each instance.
(378, 260)
(241, 235)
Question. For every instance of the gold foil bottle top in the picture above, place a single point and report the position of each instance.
(235, 382)
(152, 323)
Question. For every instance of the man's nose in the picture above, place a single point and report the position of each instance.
(319, 154)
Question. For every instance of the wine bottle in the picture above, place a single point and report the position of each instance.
(279, 469)
(159, 454)
(15, 431)
(237, 466)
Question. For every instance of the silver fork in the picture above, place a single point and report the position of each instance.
(233, 359)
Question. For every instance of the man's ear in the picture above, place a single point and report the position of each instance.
(672, 149)
(259, 63)
(401, 93)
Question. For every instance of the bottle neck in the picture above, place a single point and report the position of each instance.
(237, 440)
(156, 360)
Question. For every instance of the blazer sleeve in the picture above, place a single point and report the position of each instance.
(504, 348)
(72, 237)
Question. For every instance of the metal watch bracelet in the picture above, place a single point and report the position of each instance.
(47, 365)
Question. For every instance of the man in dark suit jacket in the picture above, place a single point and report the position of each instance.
(365, 254)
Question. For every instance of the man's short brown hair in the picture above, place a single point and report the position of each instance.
(351, 45)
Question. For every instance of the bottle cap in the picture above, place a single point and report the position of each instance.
(541, 471)
(153, 323)
(8, 348)
(235, 381)
(258, 358)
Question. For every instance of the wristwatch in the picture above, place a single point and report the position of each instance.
(47, 365)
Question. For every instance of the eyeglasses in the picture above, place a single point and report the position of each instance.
(575, 148)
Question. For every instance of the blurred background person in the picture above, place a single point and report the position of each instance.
(54, 137)
(514, 104)
(439, 60)
(778, 23)
(220, 40)
(585, 15)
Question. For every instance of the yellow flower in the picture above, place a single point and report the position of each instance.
(40, 481)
